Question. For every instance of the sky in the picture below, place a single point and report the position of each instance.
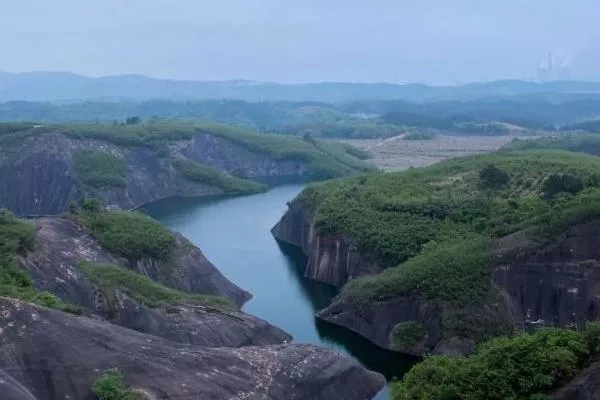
(292, 41)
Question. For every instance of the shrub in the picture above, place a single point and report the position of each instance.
(212, 176)
(504, 368)
(130, 234)
(561, 183)
(144, 290)
(407, 334)
(491, 177)
(99, 169)
(111, 386)
(90, 205)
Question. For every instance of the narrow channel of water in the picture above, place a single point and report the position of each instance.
(234, 234)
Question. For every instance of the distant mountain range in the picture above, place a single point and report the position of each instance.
(69, 87)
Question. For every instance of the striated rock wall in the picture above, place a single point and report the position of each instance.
(58, 356)
(557, 285)
(331, 259)
(38, 176)
(61, 244)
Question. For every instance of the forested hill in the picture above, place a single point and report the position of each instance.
(61, 86)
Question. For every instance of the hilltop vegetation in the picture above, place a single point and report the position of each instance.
(584, 143)
(437, 225)
(526, 366)
(325, 159)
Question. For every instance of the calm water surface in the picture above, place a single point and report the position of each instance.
(234, 234)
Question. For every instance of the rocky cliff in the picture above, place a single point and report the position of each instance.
(61, 245)
(332, 259)
(40, 172)
(53, 355)
(551, 286)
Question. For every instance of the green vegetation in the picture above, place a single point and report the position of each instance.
(100, 169)
(130, 234)
(407, 334)
(420, 136)
(111, 386)
(441, 224)
(144, 290)
(17, 237)
(325, 159)
(212, 176)
(522, 367)
(491, 177)
(583, 143)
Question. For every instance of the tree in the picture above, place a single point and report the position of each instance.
(133, 120)
(91, 205)
(561, 183)
(492, 177)
(73, 208)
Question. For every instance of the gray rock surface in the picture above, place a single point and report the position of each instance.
(38, 176)
(556, 285)
(57, 356)
(61, 245)
(331, 259)
(585, 386)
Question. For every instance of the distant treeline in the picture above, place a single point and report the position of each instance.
(364, 119)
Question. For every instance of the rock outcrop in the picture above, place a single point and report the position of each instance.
(556, 285)
(56, 355)
(331, 259)
(585, 386)
(38, 175)
(61, 244)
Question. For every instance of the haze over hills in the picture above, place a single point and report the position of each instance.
(65, 87)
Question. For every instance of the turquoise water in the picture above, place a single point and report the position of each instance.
(234, 234)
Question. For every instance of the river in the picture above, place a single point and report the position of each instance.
(234, 234)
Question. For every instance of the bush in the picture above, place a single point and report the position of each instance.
(111, 386)
(212, 176)
(17, 237)
(491, 177)
(130, 234)
(561, 183)
(407, 334)
(504, 368)
(144, 290)
(99, 169)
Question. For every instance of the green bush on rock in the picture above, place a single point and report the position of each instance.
(17, 237)
(99, 169)
(212, 176)
(111, 386)
(521, 367)
(130, 234)
(144, 290)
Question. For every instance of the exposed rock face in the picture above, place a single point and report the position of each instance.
(331, 259)
(61, 244)
(38, 176)
(558, 285)
(55, 355)
(13, 390)
(585, 386)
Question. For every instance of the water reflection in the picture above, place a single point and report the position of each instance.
(234, 234)
(389, 363)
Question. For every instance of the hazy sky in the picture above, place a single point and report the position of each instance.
(432, 41)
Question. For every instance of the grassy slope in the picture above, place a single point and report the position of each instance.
(146, 291)
(17, 237)
(212, 176)
(437, 224)
(99, 169)
(585, 143)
